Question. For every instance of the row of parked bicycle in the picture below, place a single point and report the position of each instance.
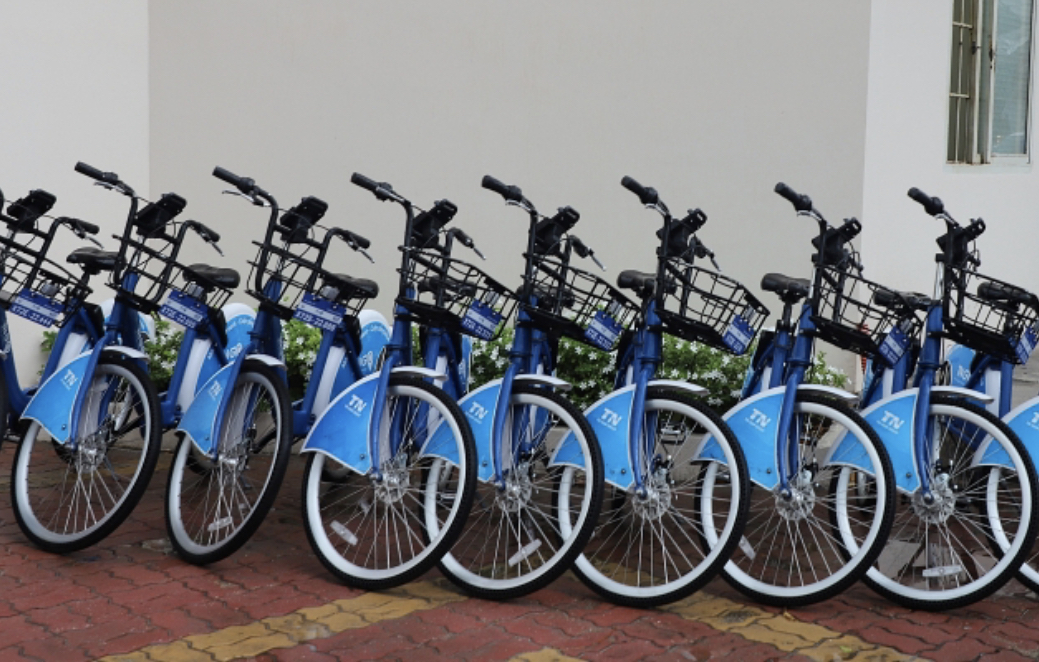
(923, 486)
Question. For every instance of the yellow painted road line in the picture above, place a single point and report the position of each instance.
(782, 631)
(545, 655)
(293, 629)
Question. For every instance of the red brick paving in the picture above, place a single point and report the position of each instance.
(127, 593)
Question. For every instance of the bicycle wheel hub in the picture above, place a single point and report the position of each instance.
(393, 486)
(517, 492)
(91, 452)
(657, 498)
(940, 506)
(798, 501)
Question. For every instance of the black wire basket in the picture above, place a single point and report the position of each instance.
(35, 287)
(147, 272)
(1003, 329)
(453, 294)
(700, 305)
(577, 304)
(850, 315)
(297, 285)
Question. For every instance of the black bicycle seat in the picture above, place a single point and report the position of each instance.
(993, 291)
(548, 296)
(93, 260)
(353, 288)
(205, 275)
(790, 290)
(643, 283)
(895, 299)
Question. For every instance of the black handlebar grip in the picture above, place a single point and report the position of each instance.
(227, 176)
(89, 228)
(932, 205)
(800, 201)
(211, 235)
(647, 195)
(94, 173)
(359, 240)
(510, 193)
(365, 183)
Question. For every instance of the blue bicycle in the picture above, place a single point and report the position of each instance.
(91, 447)
(991, 371)
(42, 291)
(964, 521)
(227, 469)
(369, 515)
(677, 488)
(540, 470)
(823, 494)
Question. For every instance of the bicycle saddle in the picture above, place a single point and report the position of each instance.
(790, 290)
(1005, 292)
(208, 276)
(93, 260)
(352, 288)
(643, 283)
(894, 299)
(549, 295)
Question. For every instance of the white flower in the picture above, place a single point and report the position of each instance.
(713, 374)
(309, 357)
(299, 340)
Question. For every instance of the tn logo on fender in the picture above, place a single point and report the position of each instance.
(891, 422)
(610, 418)
(477, 412)
(758, 419)
(356, 405)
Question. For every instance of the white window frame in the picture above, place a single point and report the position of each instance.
(978, 100)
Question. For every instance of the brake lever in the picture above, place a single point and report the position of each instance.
(365, 253)
(215, 247)
(253, 199)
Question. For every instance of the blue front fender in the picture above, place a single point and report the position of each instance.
(52, 404)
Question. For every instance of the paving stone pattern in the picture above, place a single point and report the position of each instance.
(130, 598)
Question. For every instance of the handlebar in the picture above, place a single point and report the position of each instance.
(510, 193)
(801, 202)
(382, 190)
(932, 205)
(96, 173)
(647, 195)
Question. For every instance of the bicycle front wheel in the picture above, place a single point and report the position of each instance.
(976, 529)
(523, 535)
(661, 546)
(70, 496)
(793, 552)
(213, 506)
(379, 530)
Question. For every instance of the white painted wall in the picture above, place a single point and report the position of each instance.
(711, 102)
(907, 119)
(75, 87)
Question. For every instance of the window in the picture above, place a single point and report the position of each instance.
(989, 86)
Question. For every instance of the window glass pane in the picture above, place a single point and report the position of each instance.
(1011, 76)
